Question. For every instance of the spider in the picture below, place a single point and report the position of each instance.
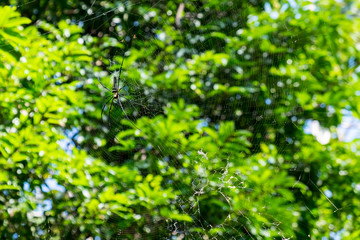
(116, 92)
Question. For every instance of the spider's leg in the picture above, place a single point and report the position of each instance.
(110, 111)
(122, 108)
(121, 65)
(124, 57)
(122, 95)
(103, 85)
(131, 101)
(102, 110)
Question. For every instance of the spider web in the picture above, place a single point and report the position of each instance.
(135, 78)
(193, 203)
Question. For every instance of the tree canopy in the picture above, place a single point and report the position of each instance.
(231, 127)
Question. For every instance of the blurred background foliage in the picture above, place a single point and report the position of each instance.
(224, 93)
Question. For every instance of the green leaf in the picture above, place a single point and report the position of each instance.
(14, 22)
(9, 187)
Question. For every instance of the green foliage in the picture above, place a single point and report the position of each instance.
(218, 148)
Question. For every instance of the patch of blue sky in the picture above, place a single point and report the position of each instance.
(52, 184)
(347, 131)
